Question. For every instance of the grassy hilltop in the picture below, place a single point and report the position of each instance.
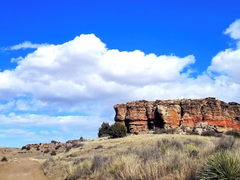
(143, 157)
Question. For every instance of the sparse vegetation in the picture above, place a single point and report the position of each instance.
(4, 159)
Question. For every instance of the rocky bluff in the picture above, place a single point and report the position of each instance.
(182, 114)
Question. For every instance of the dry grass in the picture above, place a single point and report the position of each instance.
(141, 157)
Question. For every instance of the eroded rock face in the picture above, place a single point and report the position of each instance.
(141, 116)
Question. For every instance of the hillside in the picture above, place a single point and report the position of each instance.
(144, 156)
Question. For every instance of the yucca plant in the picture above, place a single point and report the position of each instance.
(221, 166)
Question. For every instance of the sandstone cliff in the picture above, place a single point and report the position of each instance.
(142, 116)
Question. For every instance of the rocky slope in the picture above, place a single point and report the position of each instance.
(185, 114)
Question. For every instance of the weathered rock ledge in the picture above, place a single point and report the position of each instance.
(192, 114)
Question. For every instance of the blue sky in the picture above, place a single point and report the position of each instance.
(64, 64)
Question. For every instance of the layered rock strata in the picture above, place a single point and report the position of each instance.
(142, 116)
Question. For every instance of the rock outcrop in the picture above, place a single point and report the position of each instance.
(192, 114)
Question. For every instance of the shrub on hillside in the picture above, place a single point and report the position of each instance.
(54, 142)
(236, 134)
(117, 130)
(103, 130)
(225, 143)
(4, 158)
(211, 133)
(46, 151)
(220, 166)
(53, 153)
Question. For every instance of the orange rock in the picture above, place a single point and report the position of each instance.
(141, 116)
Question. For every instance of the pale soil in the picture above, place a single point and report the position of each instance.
(21, 169)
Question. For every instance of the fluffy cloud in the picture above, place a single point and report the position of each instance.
(85, 71)
(227, 63)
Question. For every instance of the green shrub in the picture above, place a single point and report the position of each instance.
(103, 130)
(24, 147)
(221, 166)
(4, 158)
(117, 130)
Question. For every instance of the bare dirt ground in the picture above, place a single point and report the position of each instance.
(21, 169)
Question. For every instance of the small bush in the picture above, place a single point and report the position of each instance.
(54, 142)
(117, 130)
(28, 148)
(225, 143)
(46, 151)
(236, 134)
(57, 147)
(97, 162)
(220, 166)
(53, 153)
(229, 133)
(170, 143)
(99, 147)
(211, 133)
(103, 130)
(148, 153)
(4, 158)
(83, 170)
